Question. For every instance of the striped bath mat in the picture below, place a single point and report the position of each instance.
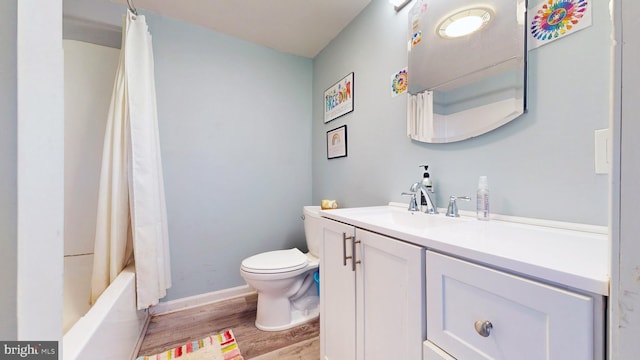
(221, 346)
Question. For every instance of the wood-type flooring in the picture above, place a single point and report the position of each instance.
(169, 330)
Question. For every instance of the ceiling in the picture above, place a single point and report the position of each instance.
(300, 27)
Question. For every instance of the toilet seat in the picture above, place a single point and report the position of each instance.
(278, 261)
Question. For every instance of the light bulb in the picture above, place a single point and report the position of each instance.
(464, 23)
(463, 26)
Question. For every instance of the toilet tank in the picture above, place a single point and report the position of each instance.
(313, 229)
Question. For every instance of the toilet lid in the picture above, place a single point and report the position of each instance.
(276, 261)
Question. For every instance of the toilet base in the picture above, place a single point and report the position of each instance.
(298, 317)
(286, 303)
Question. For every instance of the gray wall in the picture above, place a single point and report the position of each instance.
(40, 153)
(625, 287)
(94, 21)
(8, 168)
(238, 166)
(541, 165)
(235, 131)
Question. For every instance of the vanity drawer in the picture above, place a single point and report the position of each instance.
(528, 319)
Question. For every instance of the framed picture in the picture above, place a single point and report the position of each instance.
(337, 142)
(338, 99)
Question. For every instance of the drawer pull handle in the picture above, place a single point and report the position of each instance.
(344, 248)
(483, 327)
(353, 253)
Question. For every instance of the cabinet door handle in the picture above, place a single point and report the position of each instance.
(344, 248)
(353, 253)
(483, 327)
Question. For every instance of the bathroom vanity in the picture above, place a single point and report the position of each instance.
(406, 285)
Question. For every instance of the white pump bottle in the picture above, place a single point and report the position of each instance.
(483, 199)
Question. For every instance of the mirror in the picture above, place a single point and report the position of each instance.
(462, 86)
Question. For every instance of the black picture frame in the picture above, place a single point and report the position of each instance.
(337, 142)
(338, 99)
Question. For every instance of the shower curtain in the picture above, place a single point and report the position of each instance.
(132, 221)
(420, 118)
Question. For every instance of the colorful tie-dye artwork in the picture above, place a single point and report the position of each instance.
(399, 82)
(557, 18)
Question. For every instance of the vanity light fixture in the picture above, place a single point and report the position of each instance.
(464, 23)
(399, 4)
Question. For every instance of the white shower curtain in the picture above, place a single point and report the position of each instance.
(420, 116)
(132, 216)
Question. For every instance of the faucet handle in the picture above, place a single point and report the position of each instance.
(452, 210)
(413, 203)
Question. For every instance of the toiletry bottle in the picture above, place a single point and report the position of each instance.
(426, 182)
(483, 199)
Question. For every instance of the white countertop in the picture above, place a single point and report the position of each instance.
(577, 259)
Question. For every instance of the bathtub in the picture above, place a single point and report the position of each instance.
(111, 328)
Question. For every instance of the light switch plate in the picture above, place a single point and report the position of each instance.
(602, 152)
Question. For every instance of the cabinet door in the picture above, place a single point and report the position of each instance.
(337, 293)
(524, 319)
(390, 298)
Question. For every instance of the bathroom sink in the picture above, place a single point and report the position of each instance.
(390, 215)
(393, 217)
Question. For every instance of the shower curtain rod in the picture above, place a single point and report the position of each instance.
(132, 7)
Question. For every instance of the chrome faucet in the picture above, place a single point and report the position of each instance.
(429, 207)
(413, 203)
(452, 210)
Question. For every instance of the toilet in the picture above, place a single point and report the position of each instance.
(287, 294)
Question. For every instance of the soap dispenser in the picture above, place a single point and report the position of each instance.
(426, 182)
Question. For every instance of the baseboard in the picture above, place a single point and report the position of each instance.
(198, 300)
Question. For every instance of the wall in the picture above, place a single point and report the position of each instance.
(94, 21)
(8, 168)
(88, 83)
(237, 168)
(541, 165)
(625, 286)
(40, 152)
(235, 132)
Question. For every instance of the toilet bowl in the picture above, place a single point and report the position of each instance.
(284, 280)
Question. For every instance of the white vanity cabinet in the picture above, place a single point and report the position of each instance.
(485, 289)
(373, 308)
(475, 312)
